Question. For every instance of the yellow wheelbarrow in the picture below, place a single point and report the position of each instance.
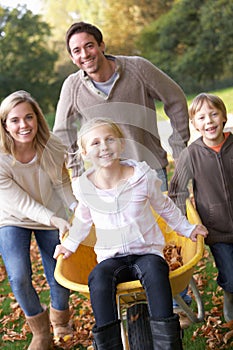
(73, 272)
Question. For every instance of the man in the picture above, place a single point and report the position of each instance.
(122, 88)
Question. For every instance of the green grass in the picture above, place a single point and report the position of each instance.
(6, 310)
(209, 289)
(224, 94)
(50, 119)
(12, 319)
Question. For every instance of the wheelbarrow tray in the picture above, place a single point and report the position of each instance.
(73, 272)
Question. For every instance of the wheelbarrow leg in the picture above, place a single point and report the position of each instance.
(123, 330)
(200, 306)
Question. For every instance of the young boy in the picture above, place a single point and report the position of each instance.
(208, 162)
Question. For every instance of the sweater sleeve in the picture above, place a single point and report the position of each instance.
(66, 125)
(167, 209)
(64, 189)
(19, 203)
(178, 187)
(80, 228)
(161, 87)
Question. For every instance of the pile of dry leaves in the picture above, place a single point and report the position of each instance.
(81, 313)
(219, 335)
(172, 254)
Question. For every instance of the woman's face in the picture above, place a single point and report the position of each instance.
(21, 124)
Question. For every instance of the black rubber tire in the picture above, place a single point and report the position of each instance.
(138, 325)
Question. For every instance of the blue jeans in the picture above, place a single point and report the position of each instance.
(150, 269)
(15, 251)
(162, 175)
(223, 256)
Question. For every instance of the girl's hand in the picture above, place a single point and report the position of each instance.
(199, 230)
(61, 224)
(61, 250)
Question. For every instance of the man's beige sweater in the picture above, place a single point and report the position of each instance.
(131, 103)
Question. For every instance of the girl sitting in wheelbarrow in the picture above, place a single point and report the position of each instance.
(116, 196)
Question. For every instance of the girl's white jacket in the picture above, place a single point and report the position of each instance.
(122, 216)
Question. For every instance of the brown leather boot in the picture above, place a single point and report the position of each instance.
(60, 323)
(40, 327)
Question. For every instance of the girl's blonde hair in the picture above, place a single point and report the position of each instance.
(48, 148)
(92, 123)
(212, 100)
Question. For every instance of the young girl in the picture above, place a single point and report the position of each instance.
(208, 162)
(117, 197)
(34, 193)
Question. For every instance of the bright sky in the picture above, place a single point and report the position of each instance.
(34, 6)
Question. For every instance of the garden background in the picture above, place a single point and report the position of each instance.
(192, 41)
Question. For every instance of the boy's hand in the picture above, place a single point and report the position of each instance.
(199, 230)
(61, 250)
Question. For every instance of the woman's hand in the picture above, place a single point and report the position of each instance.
(61, 250)
(61, 224)
(199, 230)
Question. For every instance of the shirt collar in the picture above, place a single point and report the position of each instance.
(109, 57)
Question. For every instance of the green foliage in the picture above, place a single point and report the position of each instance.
(121, 21)
(50, 119)
(193, 43)
(26, 61)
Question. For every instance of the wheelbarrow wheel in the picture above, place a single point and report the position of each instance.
(138, 324)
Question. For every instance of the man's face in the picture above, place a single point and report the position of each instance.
(86, 53)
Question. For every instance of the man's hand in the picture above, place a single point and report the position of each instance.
(61, 224)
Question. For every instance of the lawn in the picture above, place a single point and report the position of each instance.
(14, 332)
(209, 334)
(224, 94)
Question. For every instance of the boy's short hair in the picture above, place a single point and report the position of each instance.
(212, 100)
(83, 27)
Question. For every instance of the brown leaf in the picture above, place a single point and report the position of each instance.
(228, 336)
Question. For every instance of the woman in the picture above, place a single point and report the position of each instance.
(34, 193)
